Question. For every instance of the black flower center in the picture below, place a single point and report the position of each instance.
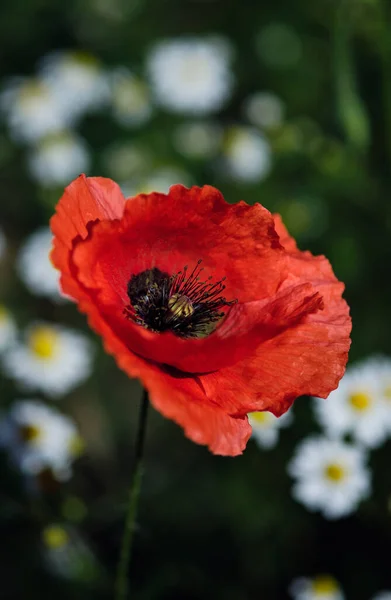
(180, 303)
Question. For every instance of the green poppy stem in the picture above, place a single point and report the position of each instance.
(122, 581)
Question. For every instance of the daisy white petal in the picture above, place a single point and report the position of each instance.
(77, 81)
(30, 109)
(265, 427)
(58, 158)
(321, 587)
(359, 406)
(38, 437)
(34, 266)
(52, 359)
(330, 476)
(65, 553)
(190, 75)
(384, 595)
(246, 154)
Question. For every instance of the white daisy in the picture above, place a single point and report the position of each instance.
(266, 427)
(7, 329)
(52, 359)
(35, 268)
(31, 110)
(191, 75)
(385, 595)
(38, 438)
(66, 554)
(77, 81)
(59, 158)
(331, 476)
(3, 243)
(357, 406)
(264, 109)
(247, 155)
(130, 99)
(321, 587)
(198, 139)
(56, 550)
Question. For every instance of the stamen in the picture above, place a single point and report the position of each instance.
(182, 303)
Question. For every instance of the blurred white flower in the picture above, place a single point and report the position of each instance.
(58, 158)
(35, 268)
(191, 75)
(266, 427)
(56, 548)
(162, 179)
(380, 366)
(7, 329)
(198, 139)
(246, 155)
(52, 359)
(321, 587)
(3, 243)
(264, 109)
(358, 406)
(77, 82)
(65, 553)
(127, 160)
(38, 437)
(130, 99)
(30, 109)
(385, 595)
(331, 476)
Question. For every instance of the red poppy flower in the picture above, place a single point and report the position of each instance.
(211, 305)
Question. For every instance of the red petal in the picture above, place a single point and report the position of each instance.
(197, 223)
(306, 359)
(104, 264)
(86, 199)
(181, 399)
(289, 335)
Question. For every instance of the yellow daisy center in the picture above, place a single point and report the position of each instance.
(334, 472)
(30, 432)
(360, 401)
(55, 536)
(324, 584)
(260, 418)
(43, 342)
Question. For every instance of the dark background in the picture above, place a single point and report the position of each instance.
(212, 527)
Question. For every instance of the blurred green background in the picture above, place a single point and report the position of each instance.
(209, 527)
